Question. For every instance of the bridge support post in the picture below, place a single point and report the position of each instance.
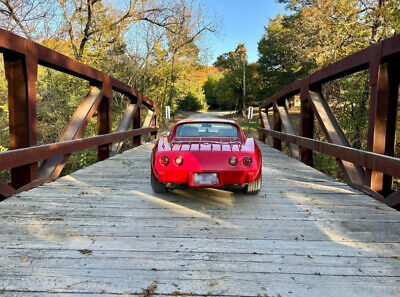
(153, 123)
(104, 118)
(136, 120)
(306, 124)
(21, 74)
(277, 143)
(384, 97)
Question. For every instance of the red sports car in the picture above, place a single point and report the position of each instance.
(206, 153)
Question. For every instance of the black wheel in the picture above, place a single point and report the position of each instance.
(158, 186)
(254, 187)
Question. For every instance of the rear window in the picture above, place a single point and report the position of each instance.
(206, 130)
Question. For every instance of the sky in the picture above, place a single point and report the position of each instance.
(243, 21)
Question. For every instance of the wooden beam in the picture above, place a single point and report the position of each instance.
(263, 123)
(6, 191)
(288, 127)
(353, 173)
(52, 168)
(136, 123)
(104, 118)
(123, 125)
(387, 164)
(393, 200)
(384, 97)
(28, 155)
(306, 124)
(277, 143)
(147, 123)
(21, 74)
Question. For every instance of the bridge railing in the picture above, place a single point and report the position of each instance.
(371, 170)
(21, 60)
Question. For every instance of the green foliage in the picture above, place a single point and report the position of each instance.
(191, 102)
(224, 90)
(318, 33)
(165, 65)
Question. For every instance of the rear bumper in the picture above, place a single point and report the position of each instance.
(225, 177)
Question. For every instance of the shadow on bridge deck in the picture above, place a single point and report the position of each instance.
(102, 231)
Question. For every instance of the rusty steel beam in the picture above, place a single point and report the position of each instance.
(288, 127)
(136, 123)
(386, 164)
(306, 124)
(393, 200)
(29, 155)
(277, 144)
(124, 126)
(263, 123)
(147, 123)
(6, 191)
(383, 51)
(75, 129)
(12, 43)
(153, 123)
(104, 118)
(21, 74)
(353, 173)
(384, 97)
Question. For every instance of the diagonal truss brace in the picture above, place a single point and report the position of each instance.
(263, 123)
(127, 117)
(75, 129)
(288, 127)
(354, 174)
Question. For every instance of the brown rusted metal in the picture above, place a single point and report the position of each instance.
(351, 64)
(384, 81)
(306, 124)
(386, 164)
(21, 59)
(393, 200)
(11, 43)
(263, 123)
(136, 121)
(288, 126)
(383, 62)
(6, 190)
(353, 173)
(29, 155)
(21, 74)
(104, 118)
(153, 123)
(277, 144)
(75, 129)
(123, 125)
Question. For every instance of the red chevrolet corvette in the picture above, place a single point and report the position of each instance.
(206, 153)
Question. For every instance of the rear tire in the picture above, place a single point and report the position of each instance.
(158, 186)
(254, 187)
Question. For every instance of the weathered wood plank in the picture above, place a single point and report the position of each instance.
(102, 231)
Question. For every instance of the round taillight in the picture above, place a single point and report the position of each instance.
(179, 160)
(233, 161)
(164, 160)
(247, 161)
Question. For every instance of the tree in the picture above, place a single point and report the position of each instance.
(26, 16)
(318, 33)
(233, 64)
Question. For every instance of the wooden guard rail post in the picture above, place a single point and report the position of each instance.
(371, 171)
(21, 60)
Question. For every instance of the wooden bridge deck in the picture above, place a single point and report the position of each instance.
(102, 231)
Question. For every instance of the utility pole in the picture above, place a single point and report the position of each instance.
(244, 82)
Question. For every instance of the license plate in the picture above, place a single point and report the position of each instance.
(205, 179)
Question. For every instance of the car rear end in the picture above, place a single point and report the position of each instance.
(206, 162)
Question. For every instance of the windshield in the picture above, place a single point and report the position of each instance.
(206, 130)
